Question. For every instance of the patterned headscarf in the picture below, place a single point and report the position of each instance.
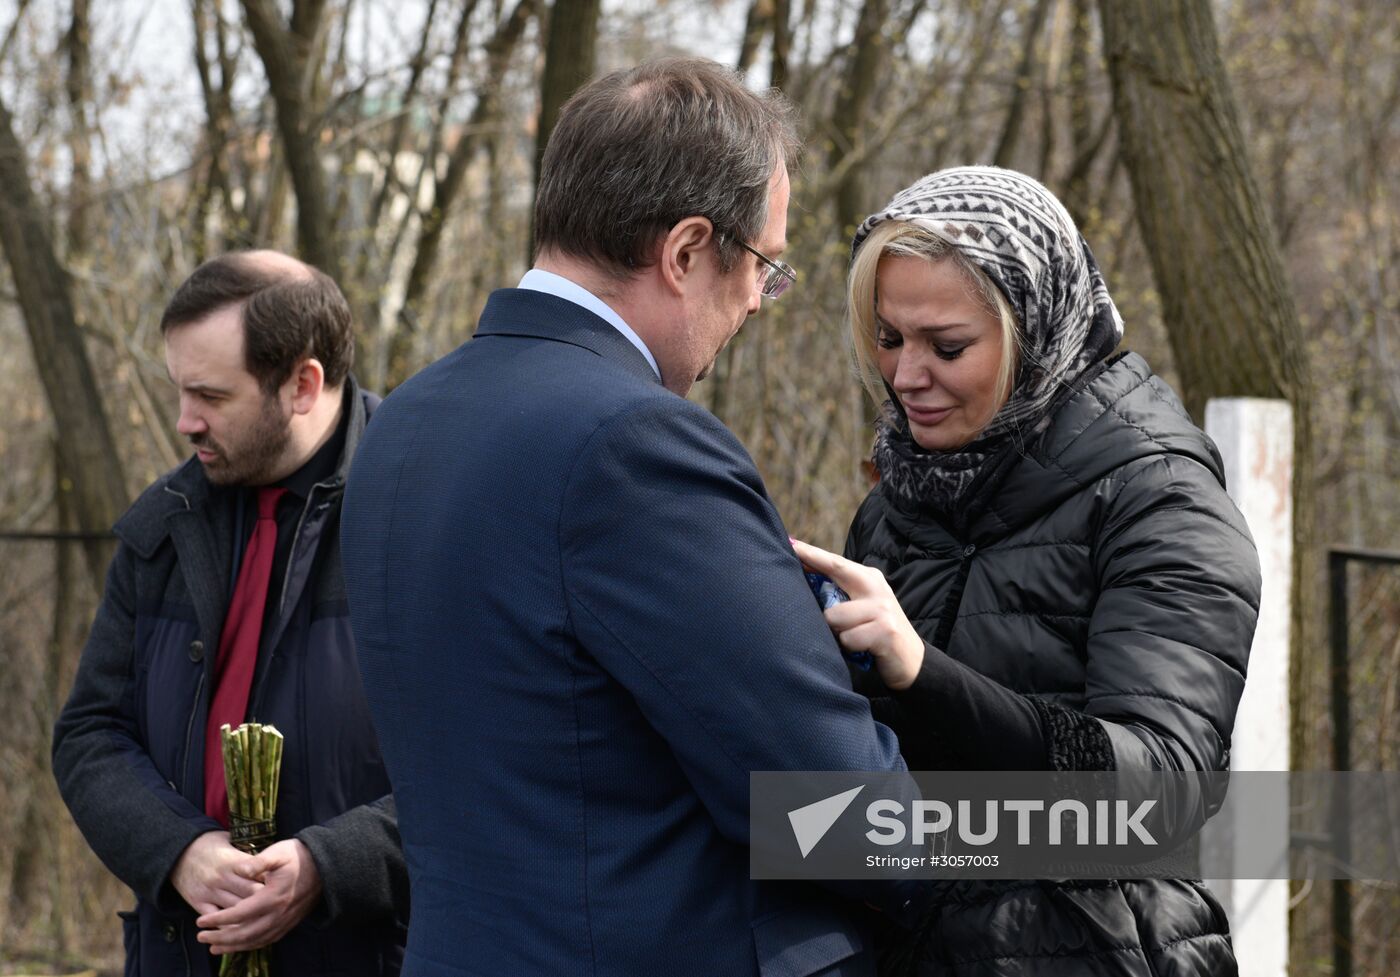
(1015, 230)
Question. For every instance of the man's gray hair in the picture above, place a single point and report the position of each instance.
(637, 151)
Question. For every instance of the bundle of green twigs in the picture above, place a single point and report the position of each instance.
(252, 769)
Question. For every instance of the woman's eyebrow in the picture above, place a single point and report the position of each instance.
(922, 327)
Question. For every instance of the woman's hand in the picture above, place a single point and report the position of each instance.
(872, 619)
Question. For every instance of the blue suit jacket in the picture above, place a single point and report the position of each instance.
(580, 627)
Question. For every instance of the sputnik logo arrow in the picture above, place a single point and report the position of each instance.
(811, 823)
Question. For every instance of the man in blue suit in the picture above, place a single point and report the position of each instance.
(579, 621)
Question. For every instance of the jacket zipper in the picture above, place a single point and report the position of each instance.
(954, 602)
(189, 730)
(256, 698)
(292, 554)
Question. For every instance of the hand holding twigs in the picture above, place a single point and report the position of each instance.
(282, 890)
(290, 888)
(206, 875)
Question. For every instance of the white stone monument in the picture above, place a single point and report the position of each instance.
(1255, 438)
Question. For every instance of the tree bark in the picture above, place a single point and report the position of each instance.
(79, 85)
(852, 105)
(286, 53)
(1229, 312)
(755, 27)
(1202, 216)
(86, 447)
(427, 171)
(1085, 136)
(782, 43)
(38, 855)
(13, 30)
(569, 59)
(1011, 129)
(218, 125)
(498, 52)
(416, 67)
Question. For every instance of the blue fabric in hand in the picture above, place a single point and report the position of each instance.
(828, 596)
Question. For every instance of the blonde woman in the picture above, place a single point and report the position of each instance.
(1049, 573)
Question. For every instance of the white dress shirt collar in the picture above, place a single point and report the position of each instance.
(557, 285)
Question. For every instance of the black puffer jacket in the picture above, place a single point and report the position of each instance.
(1107, 581)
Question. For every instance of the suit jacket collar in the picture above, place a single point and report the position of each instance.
(539, 315)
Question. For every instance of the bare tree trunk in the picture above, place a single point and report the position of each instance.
(45, 295)
(273, 204)
(852, 105)
(1229, 312)
(979, 44)
(287, 57)
(486, 273)
(79, 85)
(499, 50)
(801, 31)
(427, 171)
(1047, 125)
(569, 58)
(390, 181)
(782, 43)
(218, 124)
(1202, 216)
(1011, 130)
(13, 32)
(237, 231)
(1087, 138)
(38, 857)
(756, 25)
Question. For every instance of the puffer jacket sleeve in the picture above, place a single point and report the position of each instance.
(1178, 600)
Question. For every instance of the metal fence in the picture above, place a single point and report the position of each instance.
(1339, 560)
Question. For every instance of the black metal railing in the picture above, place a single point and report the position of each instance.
(1339, 558)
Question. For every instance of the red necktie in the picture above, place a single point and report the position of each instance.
(238, 650)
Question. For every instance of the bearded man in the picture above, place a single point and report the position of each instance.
(225, 603)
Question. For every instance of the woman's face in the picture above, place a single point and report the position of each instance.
(939, 348)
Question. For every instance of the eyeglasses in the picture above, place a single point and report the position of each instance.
(774, 279)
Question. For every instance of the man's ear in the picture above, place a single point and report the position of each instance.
(684, 252)
(307, 381)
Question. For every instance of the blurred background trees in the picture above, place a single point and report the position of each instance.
(1233, 165)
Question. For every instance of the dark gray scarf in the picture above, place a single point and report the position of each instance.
(1015, 230)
